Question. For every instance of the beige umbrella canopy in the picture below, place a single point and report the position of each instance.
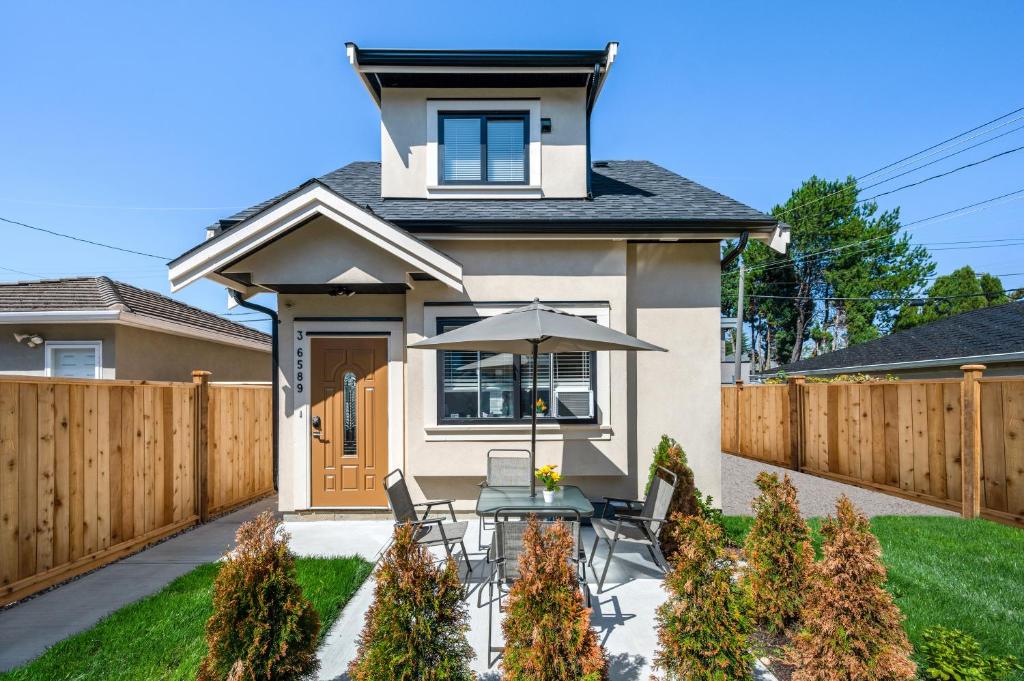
(530, 330)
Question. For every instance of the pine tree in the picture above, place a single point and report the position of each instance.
(415, 630)
(779, 554)
(547, 625)
(702, 630)
(262, 627)
(852, 629)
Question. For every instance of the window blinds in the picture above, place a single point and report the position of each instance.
(461, 162)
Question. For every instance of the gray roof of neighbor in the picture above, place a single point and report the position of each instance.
(988, 331)
(103, 293)
(625, 194)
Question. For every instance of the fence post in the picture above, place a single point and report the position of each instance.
(796, 422)
(201, 379)
(970, 440)
(739, 416)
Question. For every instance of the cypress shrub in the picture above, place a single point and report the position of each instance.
(686, 500)
(416, 627)
(547, 624)
(779, 554)
(852, 629)
(262, 627)
(702, 629)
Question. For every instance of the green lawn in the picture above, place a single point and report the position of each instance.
(966, 574)
(161, 637)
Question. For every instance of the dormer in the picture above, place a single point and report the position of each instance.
(484, 124)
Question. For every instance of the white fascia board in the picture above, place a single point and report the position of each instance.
(956, 362)
(303, 205)
(129, 319)
(779, 239)
(59, 316)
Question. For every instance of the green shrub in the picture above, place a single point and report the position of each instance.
(547, 625)
(954, 655)
(852, 629)
(779, 554)
(686, 500)
(262, 627)
(702, 630)
(416, 627)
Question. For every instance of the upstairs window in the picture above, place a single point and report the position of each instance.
(478, 148)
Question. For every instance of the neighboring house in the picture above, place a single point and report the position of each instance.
(93, 327)
(484, 199)
(728, 358)
(993, 336)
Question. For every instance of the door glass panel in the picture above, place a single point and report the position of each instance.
(349, 409)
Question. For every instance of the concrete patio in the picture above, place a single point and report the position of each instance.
(623, 614)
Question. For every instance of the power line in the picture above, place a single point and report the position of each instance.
(923, 299)
(962, 210)
(155, 209)
(84, 241)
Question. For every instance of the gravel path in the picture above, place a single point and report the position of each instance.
(817, 496)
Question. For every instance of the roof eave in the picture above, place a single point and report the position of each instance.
(990, 358)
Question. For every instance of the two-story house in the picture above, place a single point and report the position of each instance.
(485, 197)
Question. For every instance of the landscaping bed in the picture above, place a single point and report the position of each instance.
(963, 574)
(162, 636)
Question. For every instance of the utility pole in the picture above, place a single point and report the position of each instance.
(738, 343)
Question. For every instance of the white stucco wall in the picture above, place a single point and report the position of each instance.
(404, 131)
(664, 293)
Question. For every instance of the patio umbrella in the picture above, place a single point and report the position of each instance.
(531, 330)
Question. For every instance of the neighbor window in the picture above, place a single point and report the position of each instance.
(74, 359)
(480, 148)
(487, 386)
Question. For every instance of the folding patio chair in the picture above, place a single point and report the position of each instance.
(636, 522)
(507, 547)
(505, 468)
(427, 531)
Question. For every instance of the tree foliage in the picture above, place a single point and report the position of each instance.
(839, 248)
(959, 291)
(702, 630)
(415, 630)
(852, 629)
(262, 627)
(779, 554)
(547, 625)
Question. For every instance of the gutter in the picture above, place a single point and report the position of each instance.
(955, 362)
(275, 382)
(735, 251)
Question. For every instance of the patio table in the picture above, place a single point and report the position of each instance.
(493, 498)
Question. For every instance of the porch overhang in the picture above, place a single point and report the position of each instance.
(313, 199)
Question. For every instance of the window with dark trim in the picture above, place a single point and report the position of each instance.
(479, 387)
(483, 148)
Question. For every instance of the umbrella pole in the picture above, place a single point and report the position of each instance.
(533, 426)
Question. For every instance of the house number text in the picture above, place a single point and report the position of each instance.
(299, 363)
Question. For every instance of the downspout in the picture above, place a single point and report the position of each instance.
(590, 107)
(735, 251)
(275, 364)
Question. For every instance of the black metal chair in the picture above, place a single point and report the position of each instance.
(505, 468)
(507, 547)
(427, 531)
(635, 521)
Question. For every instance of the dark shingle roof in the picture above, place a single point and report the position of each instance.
(629, 194)
(102, 293)
(988, 331)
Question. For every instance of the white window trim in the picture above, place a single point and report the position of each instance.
(531, 190)
(50, 346)
(512, 432)
(303, 482)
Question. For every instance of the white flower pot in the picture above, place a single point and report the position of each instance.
(549, 496)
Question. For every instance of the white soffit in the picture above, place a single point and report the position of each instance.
(295, 210)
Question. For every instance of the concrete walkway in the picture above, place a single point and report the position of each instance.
(29, 628)
(817, 496)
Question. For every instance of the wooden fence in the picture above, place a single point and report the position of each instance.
(91, 471)
(942, 442)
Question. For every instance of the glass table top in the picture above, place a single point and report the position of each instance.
(493, 498)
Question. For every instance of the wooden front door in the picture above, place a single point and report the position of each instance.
(349, 421)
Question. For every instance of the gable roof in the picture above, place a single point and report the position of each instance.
(46, 299)
(972, 335)
(626, 196)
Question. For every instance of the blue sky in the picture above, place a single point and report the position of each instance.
(140, 123)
